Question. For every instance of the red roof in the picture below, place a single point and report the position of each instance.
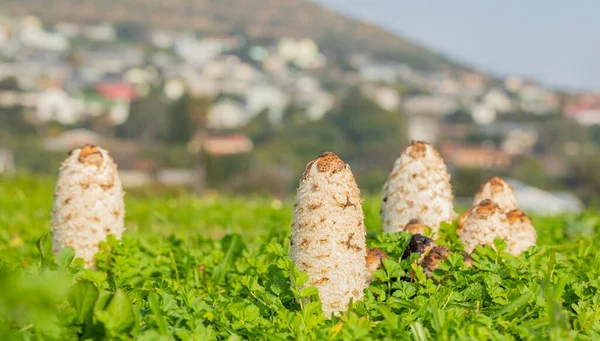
(116, 91)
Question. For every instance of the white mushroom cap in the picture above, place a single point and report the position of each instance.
(88, 202)
(523, 234)
(499, 191)
(418, 187)
(328, 232)
(482, 224)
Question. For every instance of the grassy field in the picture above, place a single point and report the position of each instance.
(217, 268)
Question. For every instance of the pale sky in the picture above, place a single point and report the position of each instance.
(556, 42)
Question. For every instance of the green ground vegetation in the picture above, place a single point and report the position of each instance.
(217, 268)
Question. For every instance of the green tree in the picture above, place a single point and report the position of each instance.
(181, 126)
(363, 122)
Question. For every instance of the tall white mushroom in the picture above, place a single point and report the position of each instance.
(499, 191)
(481, 224)
(522, 235)
(418, 187)
(328, 232)
(88, 202)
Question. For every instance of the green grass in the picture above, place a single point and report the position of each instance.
(216, 268)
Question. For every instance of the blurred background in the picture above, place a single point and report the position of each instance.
(237, 96)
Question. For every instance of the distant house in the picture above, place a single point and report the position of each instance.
(67, 29)
(483, 114)
(131, 178)
(167, 177)
(43, 40)
(430, 105)
(227, 114)
(231, 144)
(72, 139)
(197, 52)
(520, 141)
(423, 128)
(513, 84)
(55, 104)
(178, 177)
(466, 156)
(100, 32)
(584, 108)
(7, 163)
(303, 53)
(586, 116)
(386, 97)
(537, 100)
(267, 98)
(532, 199)
(112, 99)
(498, 100)
(321, 104)
(386, 73)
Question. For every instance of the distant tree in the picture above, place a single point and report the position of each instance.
(555, 133)
(585, 176)
(466, 181)
(531, 171)
(131, 31)
(12, 119)
(461, 115)
(259, 130)
(148, 118)
(181, 125)
(363, 122)
(307, 139)
(595, 134)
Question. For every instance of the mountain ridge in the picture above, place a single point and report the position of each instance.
(257, 18)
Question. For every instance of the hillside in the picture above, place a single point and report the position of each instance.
(258, 18)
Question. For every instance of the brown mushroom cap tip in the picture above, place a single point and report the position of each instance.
(329, 162)
(90, 154)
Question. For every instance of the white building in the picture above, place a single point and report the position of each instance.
(227, 114)
(520, 141)
(102, 32)
(267, 98)
(43, 40)
(498, 100)
(587, 117)
(197, 52)
(303, 53)
(483, 114)
(72, 139)
(423, 128)
(537, 100)
(386, 97)
(430, 105)
(321, 105)
(56, 105)
(535, 200)
(7, 164)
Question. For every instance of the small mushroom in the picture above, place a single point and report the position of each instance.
(374, 260)
(418, 244)
(432, 260)
(482, 224)
(499, 191)
(418, 186)
(522, 235)
(88, 203)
